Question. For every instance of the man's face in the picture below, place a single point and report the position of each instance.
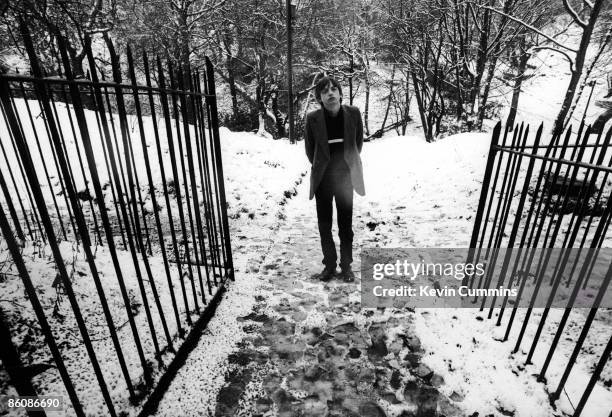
(330, 97)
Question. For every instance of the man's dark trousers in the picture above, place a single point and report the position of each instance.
(336, 186)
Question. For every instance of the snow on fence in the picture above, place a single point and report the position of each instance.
(113, 214)
(549, 195)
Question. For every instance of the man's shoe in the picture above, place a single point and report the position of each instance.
(347, 275)
(327, 274)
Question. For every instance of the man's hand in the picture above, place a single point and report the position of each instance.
(359, 137)
(309, 140)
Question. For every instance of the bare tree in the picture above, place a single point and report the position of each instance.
(587, 74)
(70, 19)
(577, 64)
(575, 56)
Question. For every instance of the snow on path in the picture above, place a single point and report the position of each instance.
(311, 350)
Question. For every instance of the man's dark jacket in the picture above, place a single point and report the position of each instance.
(317, 148)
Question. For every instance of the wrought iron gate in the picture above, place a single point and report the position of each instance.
(113, 215)
(547, 195)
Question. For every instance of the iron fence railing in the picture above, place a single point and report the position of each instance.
(112, 196)
(538, 198)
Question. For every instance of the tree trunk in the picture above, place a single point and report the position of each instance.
(587, 75)
(406, 106)
(382, 128)
(508, 5)
(76, 61)
(231, 80)
(516, 91)
(459, 95)
(366, 111)
(261, 107)
(280, 121)
(485, 93)
(481, 59)
(455, 62)
(578, 66)
(261, 80)
(185, 65)
(421, 107)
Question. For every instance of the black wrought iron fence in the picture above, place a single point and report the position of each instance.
(541, 198)
(113, 215)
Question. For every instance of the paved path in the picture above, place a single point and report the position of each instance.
(311, 350)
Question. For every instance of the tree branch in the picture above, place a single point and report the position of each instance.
(569, 59)
(95, 9)
(471, 8)
(573, 14)
(239, 89)
(528, 26)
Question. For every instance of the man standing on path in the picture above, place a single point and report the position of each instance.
(334, 138)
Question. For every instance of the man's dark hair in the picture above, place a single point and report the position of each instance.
(323, 83)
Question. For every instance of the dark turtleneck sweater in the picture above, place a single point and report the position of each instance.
(335, 139)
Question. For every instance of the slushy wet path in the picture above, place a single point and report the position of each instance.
(310, 348)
